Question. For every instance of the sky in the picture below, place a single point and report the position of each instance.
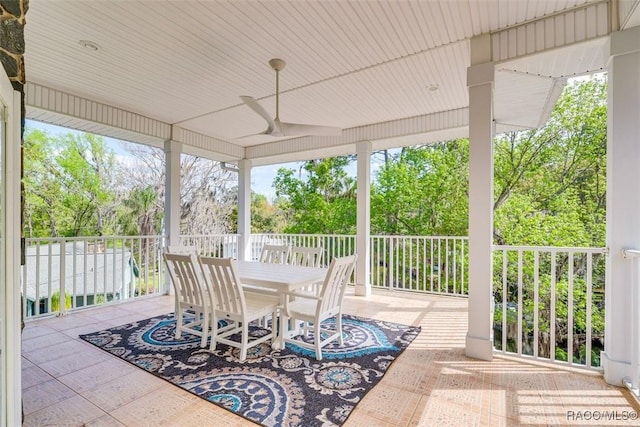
(261, 176)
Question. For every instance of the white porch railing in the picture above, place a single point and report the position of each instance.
(633, 382)
(215, 245)
(62, 274)
(434, 264)
(415, 263)
(549, 303)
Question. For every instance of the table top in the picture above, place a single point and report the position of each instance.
(282, 277)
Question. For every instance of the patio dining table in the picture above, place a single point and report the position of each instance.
(281, 278)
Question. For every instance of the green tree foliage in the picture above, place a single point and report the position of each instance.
(266, 217)
(324, 202)
(69, 185)
(75, 187)
(42, 189)
(423, 191)
(87, 168)
(142, 212)
(550, 183)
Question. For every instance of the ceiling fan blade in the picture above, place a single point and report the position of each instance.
(276, 127)
(253, 104)
(295, 129)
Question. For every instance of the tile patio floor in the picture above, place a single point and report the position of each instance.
(68, 382)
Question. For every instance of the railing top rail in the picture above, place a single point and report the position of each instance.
(630, 253)
(83, 238)
(302, 234)
(209, 235)
(403, 236)
(551, 249)
(378, 236)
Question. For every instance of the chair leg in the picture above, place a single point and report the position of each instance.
(178, 323)
(214, 333)
(306, 326)
(274, 327)
(339, 329)
(245, 341)
(205, 329)
(317, 340)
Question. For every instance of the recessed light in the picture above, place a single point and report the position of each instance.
(88, 44)
(433, 88)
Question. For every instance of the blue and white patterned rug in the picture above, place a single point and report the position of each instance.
(272, 388)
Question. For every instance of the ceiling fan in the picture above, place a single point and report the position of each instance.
(278, 128)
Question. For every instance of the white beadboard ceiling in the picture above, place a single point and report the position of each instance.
(352, 64)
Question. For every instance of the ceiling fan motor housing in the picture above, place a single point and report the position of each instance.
(277, 64)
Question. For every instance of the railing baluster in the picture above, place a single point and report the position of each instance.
(62, 306)
(520, 306)
(439, 265)
(536, 302)
(85, 271)
(411, 284)
(589, 290)
(464, 286)
(75, 273)
(505, 296)
(446, 265)
(36, 302)
(431, 263)
(402, 279)
(424, 264)
(552, 309)
(455, 267)
(570, 325)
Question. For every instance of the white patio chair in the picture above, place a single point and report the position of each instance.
(235, 306)
(306, 256)
(192, 294)
(181, 250)
(328, 304)
(275, 254)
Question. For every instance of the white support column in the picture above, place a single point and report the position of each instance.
(244, 210)
(10, 294)
(172, 152)
(623, 199)
(363, 222)
(480, 77)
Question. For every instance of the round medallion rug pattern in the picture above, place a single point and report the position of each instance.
(272, 388)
